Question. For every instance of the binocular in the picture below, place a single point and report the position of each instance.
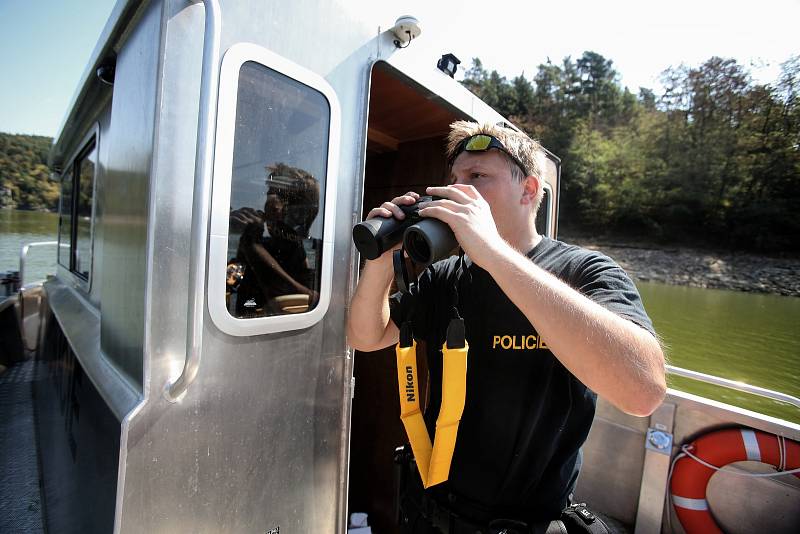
(425, 240)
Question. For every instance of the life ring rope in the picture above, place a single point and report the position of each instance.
(686, 450)
(713, 452)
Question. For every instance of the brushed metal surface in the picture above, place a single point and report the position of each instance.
(201, 203)
(80, 324)
(124, 195)
(169, 207)
(613, 456)
(655, 474)
(257, 442)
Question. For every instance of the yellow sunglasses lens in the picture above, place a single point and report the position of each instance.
(478, 142)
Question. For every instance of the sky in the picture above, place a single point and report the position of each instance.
(46, 44)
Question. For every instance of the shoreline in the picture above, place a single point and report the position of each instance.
(695, 267)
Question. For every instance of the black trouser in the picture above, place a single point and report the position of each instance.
(419, 513)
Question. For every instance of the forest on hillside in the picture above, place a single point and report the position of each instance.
(714, 159)
(25, 181)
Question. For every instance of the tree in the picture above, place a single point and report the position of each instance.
(523, 96)
(647, 98)
(25, 181)
(714, 157)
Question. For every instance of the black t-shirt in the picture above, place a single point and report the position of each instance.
(518, 449)
(260, 282)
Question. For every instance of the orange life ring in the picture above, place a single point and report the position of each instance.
(690, 477)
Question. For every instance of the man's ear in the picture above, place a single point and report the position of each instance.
(530, 188)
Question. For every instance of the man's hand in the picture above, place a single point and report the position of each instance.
(392, 208)
(387, 210)
(241, 218)
(369, 326)
(470, 218)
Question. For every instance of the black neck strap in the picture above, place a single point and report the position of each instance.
(401, 277)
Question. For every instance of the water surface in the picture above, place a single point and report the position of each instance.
(18, 228)
(749, 337)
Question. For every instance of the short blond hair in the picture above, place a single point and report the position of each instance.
(519, 145)
(522, 147)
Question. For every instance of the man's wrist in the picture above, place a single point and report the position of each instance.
(379, 269)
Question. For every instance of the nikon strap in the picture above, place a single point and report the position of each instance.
(433, 462)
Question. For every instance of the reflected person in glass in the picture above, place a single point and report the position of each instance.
(270, 273)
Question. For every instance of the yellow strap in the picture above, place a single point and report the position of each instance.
(410, 413)
(454, 393)
(433, 463)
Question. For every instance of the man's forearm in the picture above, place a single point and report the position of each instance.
(369, 325)
(611, 355)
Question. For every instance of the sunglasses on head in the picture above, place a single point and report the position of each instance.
(482, 143)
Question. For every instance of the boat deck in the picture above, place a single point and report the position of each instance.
(20, 495)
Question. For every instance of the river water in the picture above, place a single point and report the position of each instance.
(748, 337)
(18, 228)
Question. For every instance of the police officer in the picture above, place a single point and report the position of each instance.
(549, 326)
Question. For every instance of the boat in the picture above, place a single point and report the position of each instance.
(168, 398)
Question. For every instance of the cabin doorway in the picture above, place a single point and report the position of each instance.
(406, 136)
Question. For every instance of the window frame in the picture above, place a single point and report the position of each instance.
(89, 142)
(547, 206)
(67, 170)
(235, 57)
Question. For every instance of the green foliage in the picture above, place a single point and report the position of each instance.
(715, 157)
(25, 180)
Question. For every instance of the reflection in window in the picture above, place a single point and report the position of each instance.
(543, 215)
(277, 192)
(75, 220)
(65, 220)
(83, 213)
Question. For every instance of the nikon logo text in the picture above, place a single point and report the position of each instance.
(518, 342)
(409, 384)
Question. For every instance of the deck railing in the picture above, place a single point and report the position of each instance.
(734, 384)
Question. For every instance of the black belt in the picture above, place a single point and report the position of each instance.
(450, 522)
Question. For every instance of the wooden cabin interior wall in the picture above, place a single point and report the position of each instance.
(405, 152)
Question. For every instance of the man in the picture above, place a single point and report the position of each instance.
(548, 325)
(271, 261)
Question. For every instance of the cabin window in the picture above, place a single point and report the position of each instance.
(75, 221)
(65, 220)
(84, 196)
(273, 195)
(277, 195)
